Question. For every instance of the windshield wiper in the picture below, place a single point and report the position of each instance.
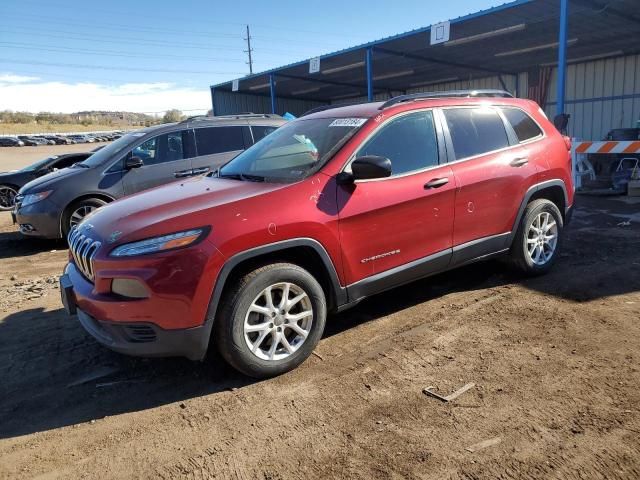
(243, 176)
(81, 165)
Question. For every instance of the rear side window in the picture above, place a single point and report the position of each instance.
(522, 124)
(410, 143)
(475, 131)
(261, 131)
(213, 140)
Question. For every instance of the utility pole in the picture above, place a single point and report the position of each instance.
(249, 50)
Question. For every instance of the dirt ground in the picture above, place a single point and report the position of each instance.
(13, 158)
(555, 362)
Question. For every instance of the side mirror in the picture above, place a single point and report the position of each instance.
(133, 162)
(366, 168)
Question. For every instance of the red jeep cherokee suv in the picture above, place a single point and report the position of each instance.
(331, 208)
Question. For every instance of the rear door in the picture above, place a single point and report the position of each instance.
(215, 146)
(165, 158)
(492, 172)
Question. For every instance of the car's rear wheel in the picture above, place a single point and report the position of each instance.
(7, 197)
(78, 211)
(539, 238)
(271, 320)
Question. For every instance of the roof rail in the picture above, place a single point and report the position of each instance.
(235, 115)
(446, 94)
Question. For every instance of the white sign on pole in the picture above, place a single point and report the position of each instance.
(235, 85)
(440, 32)
(314, 65)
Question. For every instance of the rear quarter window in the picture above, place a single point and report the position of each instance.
(261, 131)
(212, 140)
(522, 124)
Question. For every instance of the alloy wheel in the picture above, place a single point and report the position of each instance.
(542, 238)
(78, 215)
(7, 198)
(278, 321)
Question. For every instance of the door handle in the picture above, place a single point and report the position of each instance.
(198, 171)
(519, 162)
(183, 173)
(436, 183)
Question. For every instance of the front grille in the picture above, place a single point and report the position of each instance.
(83, 249)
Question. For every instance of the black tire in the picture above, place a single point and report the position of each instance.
(4, 190)
(519, 253)
(229, 334)
(66, 217)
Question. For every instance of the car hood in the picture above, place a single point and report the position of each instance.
(170, 208)
(43, 183)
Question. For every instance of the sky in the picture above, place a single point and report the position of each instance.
(152, 55)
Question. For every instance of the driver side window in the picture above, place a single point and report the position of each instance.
(410, 142)
(163, 148)
(147, 151)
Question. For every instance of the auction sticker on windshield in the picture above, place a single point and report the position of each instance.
(347, 122)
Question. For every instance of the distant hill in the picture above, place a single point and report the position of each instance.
(115, 119)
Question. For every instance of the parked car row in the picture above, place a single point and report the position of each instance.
(35, 140)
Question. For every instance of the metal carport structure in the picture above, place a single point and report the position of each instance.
(515, 46)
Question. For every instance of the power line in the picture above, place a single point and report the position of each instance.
(120, 40)
(165, 32)
(109, 53)
(189, 20)
(123, 68)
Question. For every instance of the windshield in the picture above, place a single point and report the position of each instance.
(294, 151)
(39, 164)
(107, 153)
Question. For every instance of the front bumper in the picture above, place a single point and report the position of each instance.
(146, 339)
(41, 219)
(137, 338)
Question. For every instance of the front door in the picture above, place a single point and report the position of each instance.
(390, 227)
(165, 159)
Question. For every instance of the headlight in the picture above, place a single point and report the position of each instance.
(160, 244)
(35, 197)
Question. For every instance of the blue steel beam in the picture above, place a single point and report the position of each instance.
(369, 62)
(272, 88)
(562, 55)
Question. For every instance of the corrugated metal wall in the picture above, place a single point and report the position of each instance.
(226, 103)
(472, 83)
(600, 95)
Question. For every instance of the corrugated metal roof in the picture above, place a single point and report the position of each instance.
(505, 39)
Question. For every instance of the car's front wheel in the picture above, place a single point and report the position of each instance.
(539, 237)
(7, 197)
(271, 320)
(76, 213)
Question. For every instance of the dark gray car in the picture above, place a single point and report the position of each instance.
(49, 206)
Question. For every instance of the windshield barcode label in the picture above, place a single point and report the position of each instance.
(347, 122)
